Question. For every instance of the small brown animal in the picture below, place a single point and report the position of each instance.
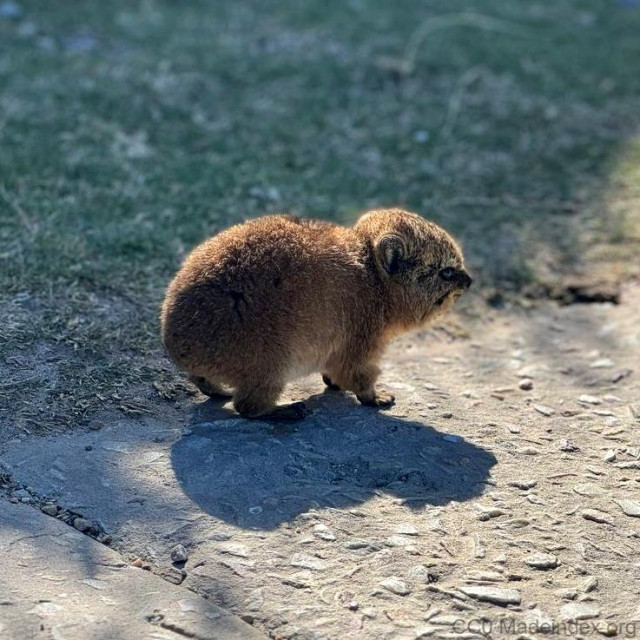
(279, 297)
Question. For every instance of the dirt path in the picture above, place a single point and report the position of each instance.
(504, 485)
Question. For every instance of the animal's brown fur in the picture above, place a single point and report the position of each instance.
(278, 297)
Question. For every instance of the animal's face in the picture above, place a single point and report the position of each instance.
(420, 263)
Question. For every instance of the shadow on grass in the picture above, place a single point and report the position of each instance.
(255, 475)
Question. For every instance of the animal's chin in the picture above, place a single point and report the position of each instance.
(441, 299)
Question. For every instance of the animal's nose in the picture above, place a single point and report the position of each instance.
(465, 279)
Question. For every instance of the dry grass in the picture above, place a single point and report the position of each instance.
(130, 132)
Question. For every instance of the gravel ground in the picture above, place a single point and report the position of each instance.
(502, 489)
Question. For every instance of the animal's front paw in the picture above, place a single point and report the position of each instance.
(379, 398)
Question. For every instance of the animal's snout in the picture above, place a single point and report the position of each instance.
(464, 279)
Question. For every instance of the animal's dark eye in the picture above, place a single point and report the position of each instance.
(448, 273)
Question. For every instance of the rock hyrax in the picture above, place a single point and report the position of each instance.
(279, 297)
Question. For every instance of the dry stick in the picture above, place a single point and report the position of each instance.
(455, 101)
(24, 218)
(406, 65)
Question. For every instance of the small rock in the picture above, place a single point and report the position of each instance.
(235, 549)
(587, 399)
(630, 507)
(446, 415)
(357, 544)
(138, 562)
(542, 561)
(484, 576)
(323, 532)
(487, 513)
(579, 611)
(602, 363)
(526, 384)
(591, 584)
(179, 554)
(596, 516)
(407, 529)
(568, 445)
(82, 524)
(397, 541)
(305, 561)
(421, 573)
(370, 612)
(523, 484)
(493, 594)
(610, 456)
(395, 585)
(620, 375)
(50, 509)
(104, 538)
(528, 451)
(544, 410)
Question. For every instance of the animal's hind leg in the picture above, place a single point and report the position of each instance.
(210, 388)
(259, 401)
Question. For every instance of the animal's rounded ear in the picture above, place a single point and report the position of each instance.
(391, 252)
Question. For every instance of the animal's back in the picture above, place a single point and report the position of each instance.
(268, 291)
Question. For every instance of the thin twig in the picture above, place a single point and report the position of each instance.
(406, 65)
(457, 96)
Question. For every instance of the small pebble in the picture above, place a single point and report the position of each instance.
(587, 399)
(50, 509)
(544, 410)
(82, 524)
(395, 585)
(630, 507)
(305, 561)
(179, 554)
(493, 594)
(407, 529)
(596, 516)
(526, 384)
(523, 484)
(487, 513)
(542, 561)
(568, 445)
(323, 532)
(602, 363)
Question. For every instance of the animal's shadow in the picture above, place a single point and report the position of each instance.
(255, 475)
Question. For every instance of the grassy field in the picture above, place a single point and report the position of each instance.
(129, 131)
